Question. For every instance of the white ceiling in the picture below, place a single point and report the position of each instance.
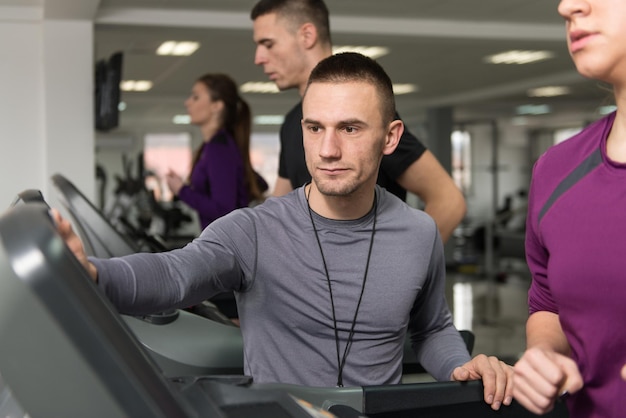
(437, 44)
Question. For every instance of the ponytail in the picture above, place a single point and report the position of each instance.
(241, 132)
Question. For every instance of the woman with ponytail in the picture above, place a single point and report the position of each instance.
(222, 178)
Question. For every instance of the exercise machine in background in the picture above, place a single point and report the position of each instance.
(136, 211)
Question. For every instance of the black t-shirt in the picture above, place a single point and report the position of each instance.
(292, 164)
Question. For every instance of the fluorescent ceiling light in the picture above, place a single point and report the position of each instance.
(181, 119)
(404, 88)
(136, 85)
(183, 48)
(373, 52)
(549, 91)
(605, 110)
(269, 120)
(259, 87)
(518, 57)
(533, 109)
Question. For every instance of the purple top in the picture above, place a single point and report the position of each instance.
(576, 251)
(217, 184)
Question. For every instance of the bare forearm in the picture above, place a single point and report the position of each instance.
(443, 200)
(447, 213)
(543, 330)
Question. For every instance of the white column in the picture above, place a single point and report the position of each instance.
(21, 103)
(68, 102)
(46, 97)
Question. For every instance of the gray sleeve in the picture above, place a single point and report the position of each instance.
(212, 263)
(437, 343)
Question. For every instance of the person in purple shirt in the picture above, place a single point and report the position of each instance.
(222, 178)
(575, 240)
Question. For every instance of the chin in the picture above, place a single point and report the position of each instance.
(336, 190)
(595, 69)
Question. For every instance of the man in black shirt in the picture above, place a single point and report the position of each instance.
(292, 36)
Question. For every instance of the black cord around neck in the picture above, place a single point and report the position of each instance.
(342, 362)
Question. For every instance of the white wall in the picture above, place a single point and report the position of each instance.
(21, 109)
(46, 100)
(68, 101)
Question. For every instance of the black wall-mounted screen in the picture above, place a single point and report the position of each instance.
(107, 92)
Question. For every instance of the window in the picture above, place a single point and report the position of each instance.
(163, 152)
(461, 160)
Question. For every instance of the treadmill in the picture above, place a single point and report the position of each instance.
(65, 351)
(181, 342)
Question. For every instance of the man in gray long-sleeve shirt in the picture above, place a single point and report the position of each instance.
(325, 292)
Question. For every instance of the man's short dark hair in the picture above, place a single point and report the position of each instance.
(354, 67)
(297, 13)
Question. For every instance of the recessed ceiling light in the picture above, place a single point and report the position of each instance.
(183, 48)
(259, 87)
(181, 119)
(404, 88)
(605, 110)
(136, 85)
(269, 119)
(531, 109)
(549, 91)
(518, 57)
(369, 51)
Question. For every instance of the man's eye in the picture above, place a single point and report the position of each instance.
(350, 129)
(314, 129)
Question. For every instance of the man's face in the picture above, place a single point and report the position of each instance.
(279, 51)
(344, 137)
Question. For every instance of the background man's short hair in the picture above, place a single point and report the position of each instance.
(297, 12)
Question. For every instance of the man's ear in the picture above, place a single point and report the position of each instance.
(308, 35)
(392, 138)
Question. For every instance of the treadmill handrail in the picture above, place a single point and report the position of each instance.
(102, 238)
(84, 319)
